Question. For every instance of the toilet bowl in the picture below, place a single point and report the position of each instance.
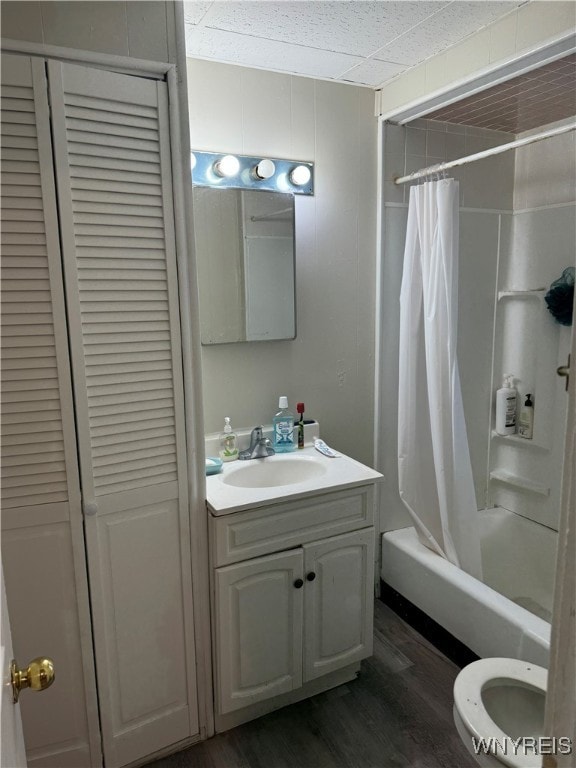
(499, 712)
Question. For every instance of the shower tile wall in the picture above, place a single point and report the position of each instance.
(486, 198)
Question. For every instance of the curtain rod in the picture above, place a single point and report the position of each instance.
(439, 167)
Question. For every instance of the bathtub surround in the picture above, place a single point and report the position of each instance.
(518, 238)
(434, 470)
(528, 341)
(330, 364)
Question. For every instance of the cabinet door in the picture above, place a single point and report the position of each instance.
(113, 171)
(258, 624)
(42, 536)
(339, 597)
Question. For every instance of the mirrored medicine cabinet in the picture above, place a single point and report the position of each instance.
(246, 265)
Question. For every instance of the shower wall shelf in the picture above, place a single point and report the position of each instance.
(509, 478)
(536, 293)
(517, 440)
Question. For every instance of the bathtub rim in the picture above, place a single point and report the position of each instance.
(534, 631)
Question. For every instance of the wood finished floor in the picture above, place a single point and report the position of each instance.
(397, 714)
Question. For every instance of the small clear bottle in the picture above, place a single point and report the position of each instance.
(228, 442)
(283, 428)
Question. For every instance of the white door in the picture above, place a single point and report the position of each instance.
(12, 750)
(42, 537)
(560, 719)
(113, 171)
(258, 625)
(339, 602)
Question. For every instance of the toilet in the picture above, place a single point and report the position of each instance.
(499, 712)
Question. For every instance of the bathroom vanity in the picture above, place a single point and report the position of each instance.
(292, 573)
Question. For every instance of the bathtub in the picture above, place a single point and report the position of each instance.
(508, 614)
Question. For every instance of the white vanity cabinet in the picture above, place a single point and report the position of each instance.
(292, 589)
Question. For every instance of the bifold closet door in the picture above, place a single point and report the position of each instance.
(42, 538)
(112, 154)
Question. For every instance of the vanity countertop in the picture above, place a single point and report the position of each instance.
(322, 474)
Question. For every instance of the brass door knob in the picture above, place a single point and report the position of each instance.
(38, 676)
(564, 370)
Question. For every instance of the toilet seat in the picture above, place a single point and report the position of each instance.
(471, 710)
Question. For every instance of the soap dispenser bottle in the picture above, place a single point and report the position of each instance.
(526, 419)
(228, 442)
(283, 428)
(506, 407)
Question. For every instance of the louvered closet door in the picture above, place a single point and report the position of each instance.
(42, 539)
(112, 150)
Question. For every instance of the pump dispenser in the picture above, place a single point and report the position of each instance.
(526, 420)
(228, 442)
(506, 398)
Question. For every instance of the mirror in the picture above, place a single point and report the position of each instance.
(246, 265)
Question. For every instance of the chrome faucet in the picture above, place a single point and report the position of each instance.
(260, 446)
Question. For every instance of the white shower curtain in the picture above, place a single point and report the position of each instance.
(434, 469)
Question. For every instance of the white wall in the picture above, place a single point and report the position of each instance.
(142, 30)
(330, 364)
(486, 196)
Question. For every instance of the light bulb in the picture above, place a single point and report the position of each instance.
(227, 166)
(265, 169)
(300, 175)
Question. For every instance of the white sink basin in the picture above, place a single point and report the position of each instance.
(274, 471)
(256, 482)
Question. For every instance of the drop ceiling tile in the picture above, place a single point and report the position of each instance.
(372, 72)
(358, 28)
(194, 10)
(447, 27)
(234, 48)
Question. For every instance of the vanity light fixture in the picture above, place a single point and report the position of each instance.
(213, 169)
(300, 175)
(227, 166)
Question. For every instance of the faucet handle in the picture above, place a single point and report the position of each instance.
(260, 446)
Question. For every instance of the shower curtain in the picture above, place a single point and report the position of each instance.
(434, 469)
